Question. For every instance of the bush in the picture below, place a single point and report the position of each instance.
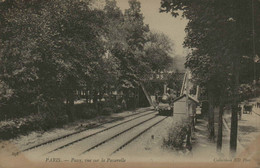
(62, 119)
(50, 122)
(47, 120)
(246, 91)
(106, 111)
(118, 109)
(90, 113)
(176, 137)
(83, 111)
(7, 130)
(29, 123)
(12, 128)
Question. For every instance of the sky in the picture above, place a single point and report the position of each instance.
(161, 22)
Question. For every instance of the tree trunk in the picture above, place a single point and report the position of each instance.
(69, 104)
(95, 97)
(126, 98)
(188, 140)
(86, 96)
(220, 125)
(136, 97)
(233, 133)
(235, 71)
(211, 117)
(234, 118)
(71, 108)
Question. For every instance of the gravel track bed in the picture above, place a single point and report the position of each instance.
(108, 148)
(76, 148)
(148, 147)
(37, 137)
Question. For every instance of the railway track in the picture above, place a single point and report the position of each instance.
(120, 133)
(139, 115)
(84, 136)
(104, 137)
(136, 136)
(120, 141)
(110, 142)
(105, 141)
(88, 136)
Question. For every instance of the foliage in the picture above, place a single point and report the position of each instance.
(133, 64)
(218, 37)
(132, 47)
(117, 108)
(158, 50)
(51, 49)
(107, 111)
(246, 91)
(176, 136)
(220, 34)
(174, 81)
(12, 128)
(83, 111)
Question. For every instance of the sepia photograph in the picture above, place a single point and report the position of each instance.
(129, 83)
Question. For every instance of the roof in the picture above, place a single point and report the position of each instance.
(194, 99)
(178, 98)
(191, 98)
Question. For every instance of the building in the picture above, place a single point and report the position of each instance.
(185, 105)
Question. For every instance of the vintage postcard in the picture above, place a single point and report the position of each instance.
(129, 83)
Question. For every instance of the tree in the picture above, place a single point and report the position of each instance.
(50, 49)
(219, 34)
(129, 52)
(158, 50)
(55, 47)
(116, 37)
(135, 26)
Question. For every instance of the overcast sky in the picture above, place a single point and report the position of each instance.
(162, 22)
